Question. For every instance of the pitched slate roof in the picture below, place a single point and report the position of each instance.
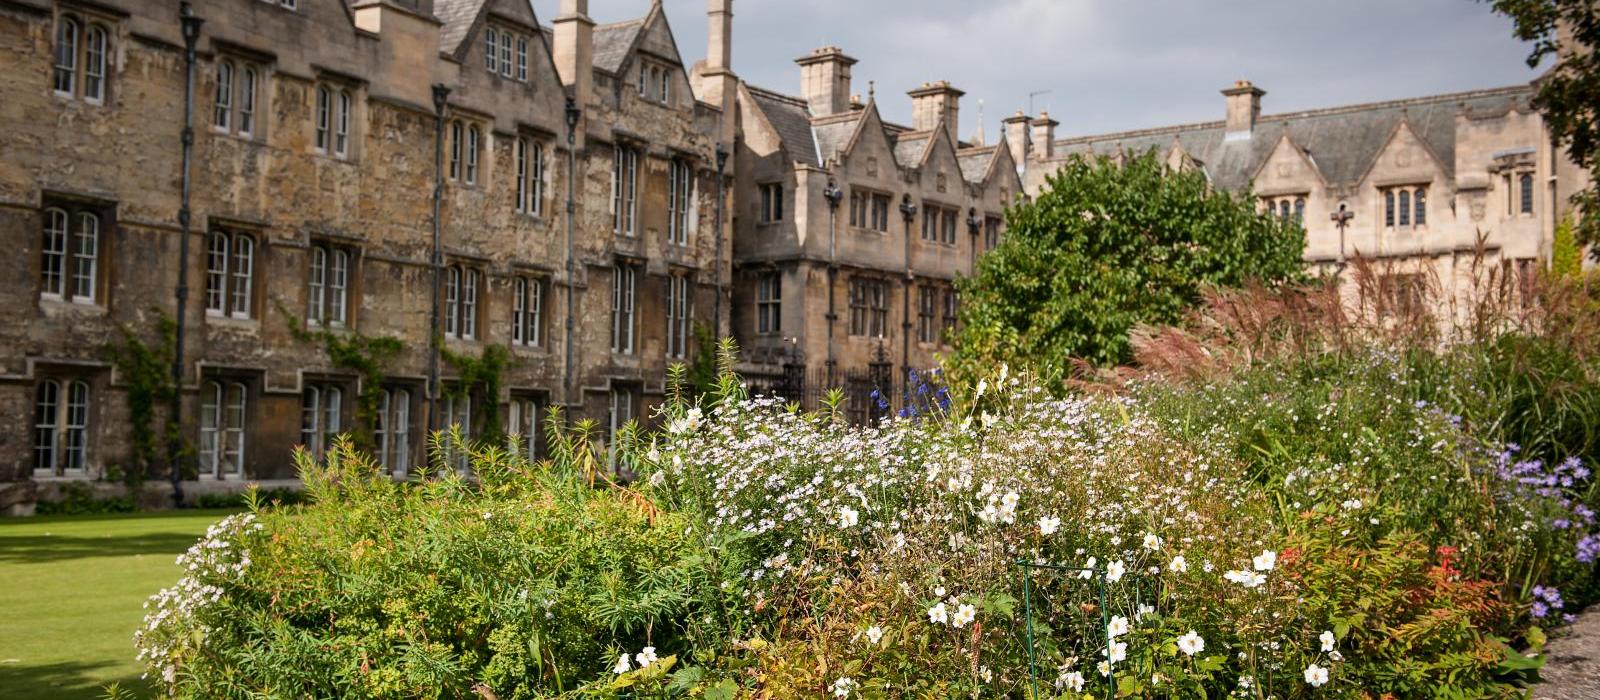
(833, 136)
(612, 43)
(792, 120)
(1342, 141)
(457, 16)
(908, 148)
(975, 162)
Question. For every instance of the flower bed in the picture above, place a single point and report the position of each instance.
(1294, 531)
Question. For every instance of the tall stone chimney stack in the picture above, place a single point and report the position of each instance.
(574, 49)
(1044, 136)
(718, 82)
(933, 102)
(825, 80)
(1016, 131)
(1244, 107)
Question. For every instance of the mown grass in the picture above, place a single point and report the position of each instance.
(73, 593)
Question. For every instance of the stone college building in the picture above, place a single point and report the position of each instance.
(345, 209)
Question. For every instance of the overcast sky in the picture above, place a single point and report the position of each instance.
(1113, 65)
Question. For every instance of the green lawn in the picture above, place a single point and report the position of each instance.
(72, 591)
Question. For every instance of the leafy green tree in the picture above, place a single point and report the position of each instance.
(1107, 246)
(1569, 93)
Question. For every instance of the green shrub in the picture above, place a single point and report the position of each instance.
(79, 499)
(527, 583)
(1342, 522)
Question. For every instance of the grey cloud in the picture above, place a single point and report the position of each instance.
(1115, 64)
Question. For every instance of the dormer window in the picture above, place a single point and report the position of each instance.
(1405, 207)
(1287, 208)
(655, 83)
(505, 53)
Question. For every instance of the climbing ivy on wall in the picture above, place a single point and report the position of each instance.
(365, 355)
(146, 370)
(484, 375)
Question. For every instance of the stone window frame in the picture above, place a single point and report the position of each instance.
(940, 223)
(321, 295)
(927, 314)
(456, 408)
(680, 197)
(396, 419)
(624, 306)
(528, 311)
(238, 113)
(950, 306)
(237, 293)
(654, 82)
(524, 410)
(532, 159)
(1287, 207)
(874, 209)
(769, 302)
(334, 119)
(87, 26)
(1404, 206)
(506, 52)
(624, 407)
(322, 413)
(53, 425)
(992, 225)
(770, 202)
(67, 217)
(464, 287)
(224, 406)
(868, 298)
(625, 160)
(679, 307)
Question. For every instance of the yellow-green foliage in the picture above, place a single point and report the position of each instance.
(1566, 258)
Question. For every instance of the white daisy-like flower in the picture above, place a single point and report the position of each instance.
(1115, 570)
(1327, 640)
(1088, 568)
(938, 591)
(1104, 667)
(645, 657)
(938, 614)
(964, 616)
(843, 686)
(1151, 542)
(1179, 564)
(874, 634)
(848, 517)
(1048, 525)
(1266, 560)
(1191, 643)
(1316, 675)
(1117, 627)
(1074, 682)
(1119, 651)
(622, 665)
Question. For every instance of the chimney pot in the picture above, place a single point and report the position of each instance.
(825, 80)
(1243, 108)
(934, 102)
(1044, 136)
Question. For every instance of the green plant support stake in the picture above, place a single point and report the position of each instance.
(1027, 612)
